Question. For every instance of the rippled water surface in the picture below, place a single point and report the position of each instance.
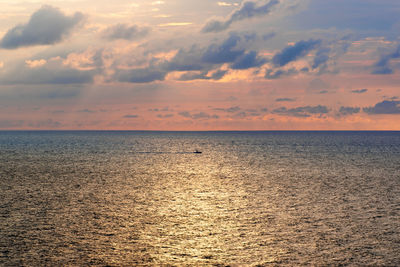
(251, 198)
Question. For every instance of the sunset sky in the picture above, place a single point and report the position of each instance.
(200, 65)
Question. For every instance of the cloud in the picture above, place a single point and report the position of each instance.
(125, 32)
(185, 60)
(212, 57)
(229, 110)
(86, 111)
(224, 53)
(384, 107)
(46, 26)
(219, 74)
(129, 116)
(268, 36)
(173, 24)
(271, 74)
(293, 52)
(161, 116)
(321, 58)
(140, 75)
(52, 72)
(248, 60)
(285, 99)
(306, 111)
(227, 4)
(246, 11)
(35, 63)
(382, 66)
(361, 91)
(348, 110)
(196, 116)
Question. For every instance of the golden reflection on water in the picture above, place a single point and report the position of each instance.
(203, 215)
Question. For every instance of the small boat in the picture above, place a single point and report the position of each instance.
(197, 152)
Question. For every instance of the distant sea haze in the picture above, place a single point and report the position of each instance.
(101, 198)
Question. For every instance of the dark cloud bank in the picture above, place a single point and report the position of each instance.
(46, 26)
(384, 107)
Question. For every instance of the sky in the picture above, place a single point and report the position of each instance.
(200, 65)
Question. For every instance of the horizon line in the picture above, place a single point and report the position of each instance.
(116, 130)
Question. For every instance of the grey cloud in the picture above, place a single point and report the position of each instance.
(285, 99)
(384, 107)
(196, 116)
(321, 58)
(306, 111)
(391, 98)
(348, 110)
(271, 74)
(224, 53)
(361, 91)
(142, 75)
(164, 109)
(246, 11)
(268, 36)
(124, 31)
(382, 66)
(189, 76)
(46, 26)
(245, 114)
(96, 62)
(294, 52)
(185, 60)
(229, 110)
(129, 116)
(219, 74)
(248, 60)
(161, 116)
(212, 57)
(52, 73)
(86, 111)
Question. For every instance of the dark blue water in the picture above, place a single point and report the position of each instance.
(267, 198)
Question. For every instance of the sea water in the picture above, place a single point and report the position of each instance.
(250, 198)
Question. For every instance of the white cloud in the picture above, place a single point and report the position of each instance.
(35, 63)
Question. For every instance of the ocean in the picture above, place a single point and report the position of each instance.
(109, 198)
